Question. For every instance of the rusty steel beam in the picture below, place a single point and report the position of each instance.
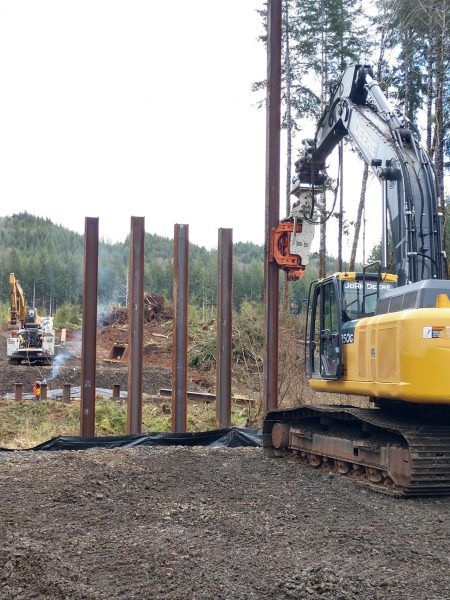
(116, 391)
(44, 389)
(272, 204)
(18, 389)
(136, 326)
(224, 324)
(180, 317)
(89, 331)
(66, 393)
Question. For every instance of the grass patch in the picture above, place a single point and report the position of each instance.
(26, 424)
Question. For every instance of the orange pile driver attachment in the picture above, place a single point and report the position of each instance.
(280, 249)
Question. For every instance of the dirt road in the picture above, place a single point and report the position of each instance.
(177, 523)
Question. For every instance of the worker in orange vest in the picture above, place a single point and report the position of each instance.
(37, 390)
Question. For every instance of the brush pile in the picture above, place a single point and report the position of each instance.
(155, 308)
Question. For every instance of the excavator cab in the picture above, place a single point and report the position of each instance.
(31, 317)
(335, 304)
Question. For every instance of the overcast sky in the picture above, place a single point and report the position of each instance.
(144, 108)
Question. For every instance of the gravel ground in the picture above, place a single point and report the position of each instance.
(179, 523)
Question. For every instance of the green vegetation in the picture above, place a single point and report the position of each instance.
(69, 316)
(26, 424)
(48, 258)
(247, 341)
(4, 313)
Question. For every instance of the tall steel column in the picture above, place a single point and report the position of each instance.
(180, 317)
(18, 392)
(89, 331)
(272, 204)
(136, 325)
(224, 322)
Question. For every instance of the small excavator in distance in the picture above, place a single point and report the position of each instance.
(381, 335)
(32, 337)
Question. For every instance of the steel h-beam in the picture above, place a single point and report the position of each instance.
(66, 393)
(18, 392)
(136, 325)
(272, 204)
(224, 322)
(180, 316)
(89, 331)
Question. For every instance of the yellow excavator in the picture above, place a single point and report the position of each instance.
(377, 334)
(32, 338)
(19, 314)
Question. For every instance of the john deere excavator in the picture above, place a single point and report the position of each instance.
(32, 338)
(382, 335)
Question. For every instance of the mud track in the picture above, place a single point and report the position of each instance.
(177, 523)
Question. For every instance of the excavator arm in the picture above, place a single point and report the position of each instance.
(388, 143)
(17, 313)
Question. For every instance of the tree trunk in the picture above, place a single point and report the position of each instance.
(438, 112)
(362, 199)
(430, 86)
(409, 66)
(323, 238)
(323, 213)
(441, 47)
(381, 54)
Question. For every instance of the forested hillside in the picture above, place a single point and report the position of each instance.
(47, 258)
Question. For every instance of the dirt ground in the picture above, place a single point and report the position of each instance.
(156, 370)
(177, 523)
(153, 378)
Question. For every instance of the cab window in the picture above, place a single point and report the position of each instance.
(353, 293)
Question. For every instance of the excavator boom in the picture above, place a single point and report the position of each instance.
(389, 144)
(17, 313)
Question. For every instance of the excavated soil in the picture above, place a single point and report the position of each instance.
(178, 523)
(67, 368)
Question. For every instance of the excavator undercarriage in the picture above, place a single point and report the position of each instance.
(404, 454)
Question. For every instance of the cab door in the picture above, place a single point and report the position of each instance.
(325, 343)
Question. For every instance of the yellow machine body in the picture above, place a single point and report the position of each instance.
(402, 356)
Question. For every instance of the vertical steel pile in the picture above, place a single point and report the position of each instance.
(44, 389)
(116, 391)
(66, 393)
(180, 316)
(272, 204)
(136, 325)
(89, 331)
(224, 324)
(18, 389)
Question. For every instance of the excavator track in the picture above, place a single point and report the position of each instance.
(405, 455)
